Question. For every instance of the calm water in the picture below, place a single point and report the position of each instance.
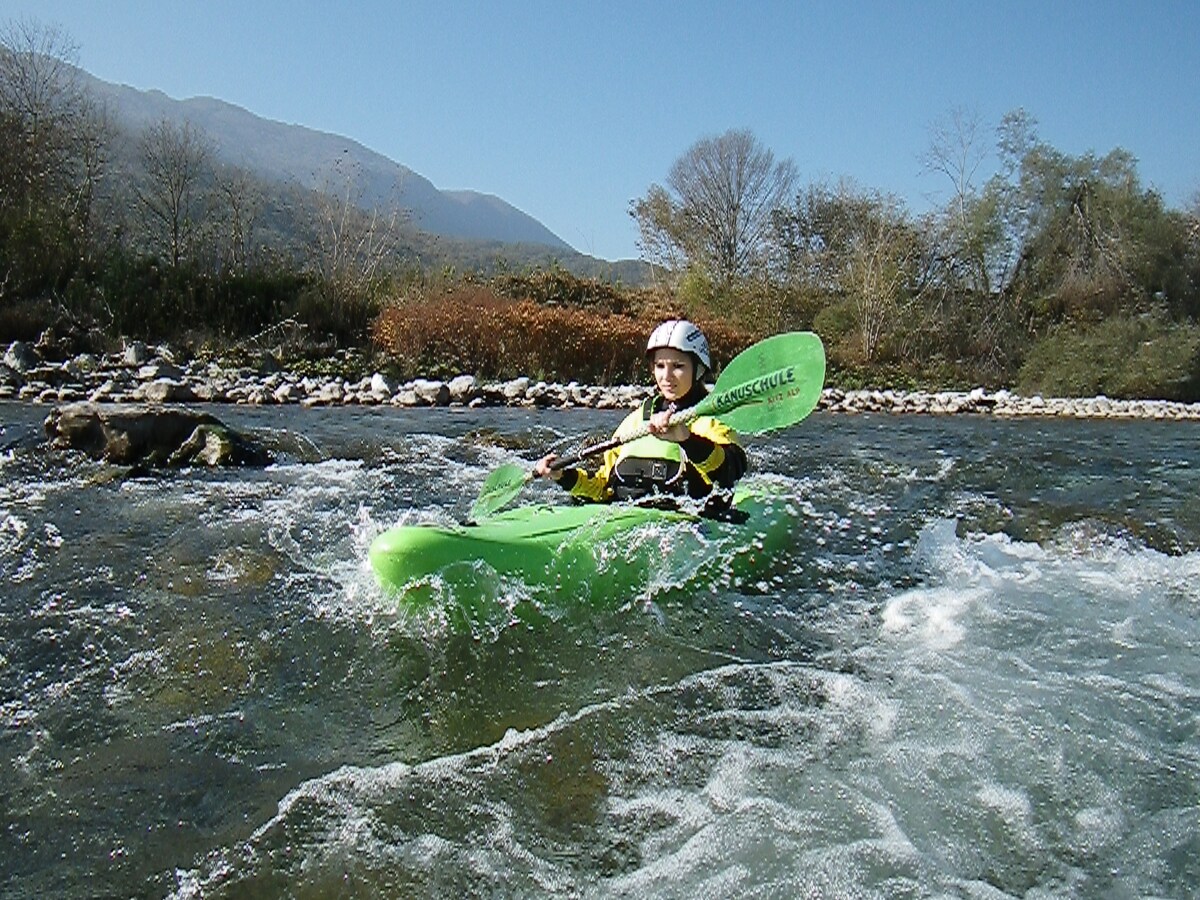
(974, 675)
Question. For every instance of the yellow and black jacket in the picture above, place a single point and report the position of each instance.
(710, 458)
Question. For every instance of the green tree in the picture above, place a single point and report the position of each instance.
(1048, 238)
(860, 249)
(1080, 236)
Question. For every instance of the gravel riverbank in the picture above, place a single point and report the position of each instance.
(148, 374)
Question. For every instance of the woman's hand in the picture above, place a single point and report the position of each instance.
(543, 470)
(660, 426)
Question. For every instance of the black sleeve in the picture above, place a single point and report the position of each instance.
(732, 467)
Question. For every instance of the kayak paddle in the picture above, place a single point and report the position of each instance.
(769, 385)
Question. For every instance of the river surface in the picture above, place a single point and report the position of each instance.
(974, 673)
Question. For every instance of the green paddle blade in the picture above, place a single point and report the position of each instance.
(772, 384)
(501, 487)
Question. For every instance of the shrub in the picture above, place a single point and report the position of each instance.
(837, 323)
(24, 320)
(558, 287)
(1123, 357)
(469, 329)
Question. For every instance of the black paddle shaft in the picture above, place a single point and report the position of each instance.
(676, 418)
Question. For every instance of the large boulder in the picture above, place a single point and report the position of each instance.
(217, 445)
(136, 434)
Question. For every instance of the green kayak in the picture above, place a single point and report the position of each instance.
(564, 555)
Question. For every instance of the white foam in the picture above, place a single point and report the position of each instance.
(932, 616)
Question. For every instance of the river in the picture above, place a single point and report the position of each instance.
(974, 674)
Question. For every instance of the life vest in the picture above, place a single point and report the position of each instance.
(653, 466)
(648, 465)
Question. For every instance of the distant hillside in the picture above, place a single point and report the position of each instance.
(305, 157)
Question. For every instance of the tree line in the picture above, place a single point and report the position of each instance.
(147, 234)
(1055, 272)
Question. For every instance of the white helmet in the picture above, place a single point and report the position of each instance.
(680, 334)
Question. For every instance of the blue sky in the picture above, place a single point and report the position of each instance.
(569, 110)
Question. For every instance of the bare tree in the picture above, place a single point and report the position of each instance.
(884, 260)
(957, 152)
(56, 134)
(175, 160)
(53, 152)
(40, 98)
(240, 203)
(351, 245)
(715, 212)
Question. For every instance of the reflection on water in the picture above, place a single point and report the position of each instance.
(972, 674)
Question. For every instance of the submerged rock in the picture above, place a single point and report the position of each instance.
(137, 434)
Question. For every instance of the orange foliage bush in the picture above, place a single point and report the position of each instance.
(470, 330)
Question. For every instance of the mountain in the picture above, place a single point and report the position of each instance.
(276, 151)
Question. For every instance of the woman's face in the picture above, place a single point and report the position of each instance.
(674, 372)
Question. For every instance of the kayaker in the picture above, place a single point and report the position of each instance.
(693, 460)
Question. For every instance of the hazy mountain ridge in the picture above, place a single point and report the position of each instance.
(278, 151)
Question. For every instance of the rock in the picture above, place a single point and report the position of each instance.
(462, 389)
(52, 375)
(133, 434)
(81, 366)
(543, 394)
(164, 390)
(406, 397)
(216, 445)
(20, 357)
(515, 389)
(104, 392)
(135, 354)
(159, 369)
(286, 393)
(379, 385)
(10, 378)
(432, 393)
(207, 393)
(333, 392)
